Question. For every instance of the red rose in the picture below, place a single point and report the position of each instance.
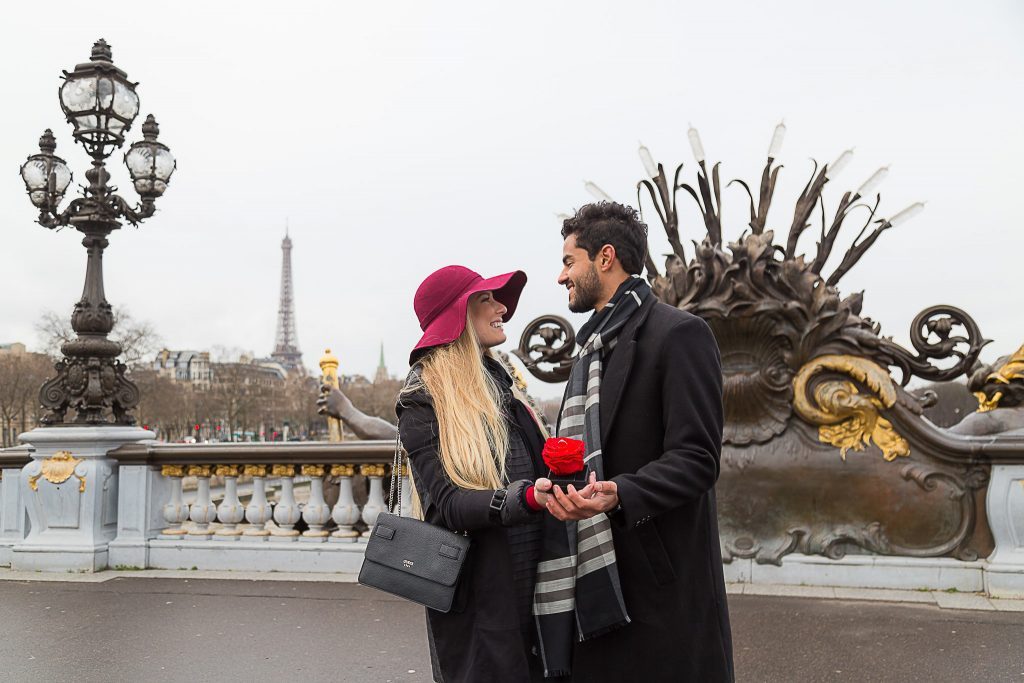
(564, 456)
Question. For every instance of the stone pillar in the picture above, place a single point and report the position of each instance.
(202, 512)
(12, 511)
(406, 510)
(345, 512)
(230, 512)
(175, 511)
(70, 493)
(315, 512)
(286, 512)
(140, 514)
(257, 513)
(1004, 576)
(375, 503)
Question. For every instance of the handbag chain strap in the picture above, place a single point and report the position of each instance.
(395, 495)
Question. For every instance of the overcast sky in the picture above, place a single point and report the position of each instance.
(398, 137)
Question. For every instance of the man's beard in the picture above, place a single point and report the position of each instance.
(587, 291)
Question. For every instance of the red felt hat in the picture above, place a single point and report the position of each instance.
(442, 299)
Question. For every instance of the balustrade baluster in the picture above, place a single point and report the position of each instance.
(176, 511)
(406, 492)
(315, 512)
(257, 513)
(345, 512)
(203, 511)
(230, 511)
(286, 512)
(375, 502)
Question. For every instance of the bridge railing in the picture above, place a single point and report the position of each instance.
(255, 506)
(12, 510)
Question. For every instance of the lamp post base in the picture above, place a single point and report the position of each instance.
(70, 494)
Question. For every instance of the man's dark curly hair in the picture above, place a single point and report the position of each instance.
(596, 225)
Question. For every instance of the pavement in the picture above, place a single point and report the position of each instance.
(188, 626)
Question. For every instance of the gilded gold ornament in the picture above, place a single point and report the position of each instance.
(312, 470)
(282, 471)
(342, 470)
(199, 470)
(1010, 371)
(57, 469)
(985, 403)
(172, 470)
(846, 418)
(255, 470)
(329, 376)
(226, 470)
(371, 470)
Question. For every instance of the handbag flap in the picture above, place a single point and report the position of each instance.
(417, 548)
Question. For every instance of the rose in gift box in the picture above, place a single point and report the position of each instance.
(564, 458)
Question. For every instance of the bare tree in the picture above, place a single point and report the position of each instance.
(138, 338)
(21, 376)
(167, 407)
(376, 399)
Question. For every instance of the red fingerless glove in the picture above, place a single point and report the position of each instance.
(531, 499)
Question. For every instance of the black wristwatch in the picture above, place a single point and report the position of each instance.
(497, 503)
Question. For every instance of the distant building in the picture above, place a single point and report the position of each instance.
(195, 368)
(14, 347)
(249, 372)
(192, 367)
(354, 381)
(382, 370)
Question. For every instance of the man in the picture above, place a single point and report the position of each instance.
(634, 573)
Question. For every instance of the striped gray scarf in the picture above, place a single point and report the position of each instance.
(578, 557)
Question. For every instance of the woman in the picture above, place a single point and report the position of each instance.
(474, 450)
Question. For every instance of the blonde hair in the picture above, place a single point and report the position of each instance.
(472, 431)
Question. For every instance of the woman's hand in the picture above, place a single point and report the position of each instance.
(542, 491)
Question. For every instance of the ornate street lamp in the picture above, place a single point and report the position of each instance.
(101, 103)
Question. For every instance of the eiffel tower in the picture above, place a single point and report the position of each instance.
(286, 347)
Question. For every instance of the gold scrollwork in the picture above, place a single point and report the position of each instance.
(255, 470)
(985, 403)
(846, 418)
(172, 470)
(1012, 369)
(57, 469)
(199, 470)
(342, 470)
(282, 471)
(371, 470)
(313, 470)
(226, 471)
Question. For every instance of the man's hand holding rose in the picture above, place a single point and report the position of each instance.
(596, 497)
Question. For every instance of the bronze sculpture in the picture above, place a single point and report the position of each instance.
(824, 452)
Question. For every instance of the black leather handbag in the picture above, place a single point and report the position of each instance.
(409, 558)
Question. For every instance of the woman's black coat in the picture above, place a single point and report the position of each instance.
(661, 436)
(480, 639)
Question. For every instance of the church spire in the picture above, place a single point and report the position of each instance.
(382, 370)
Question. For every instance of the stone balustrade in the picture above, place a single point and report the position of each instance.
(255, 523)
(12, 507)
(302, 507)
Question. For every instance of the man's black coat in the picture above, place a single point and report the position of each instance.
(661, 425)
